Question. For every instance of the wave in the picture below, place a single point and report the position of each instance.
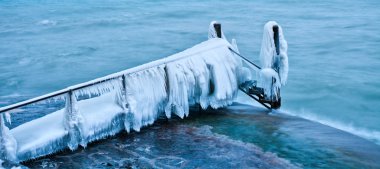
(370, 135)
(47, 22)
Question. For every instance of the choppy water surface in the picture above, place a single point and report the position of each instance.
(333, 51)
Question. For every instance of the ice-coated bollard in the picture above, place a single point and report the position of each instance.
(276, 39)
(215, 30)
(218, 29)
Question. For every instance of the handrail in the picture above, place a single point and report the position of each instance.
(50, 95)
(258, 67)
(149, 65)
(237, 53)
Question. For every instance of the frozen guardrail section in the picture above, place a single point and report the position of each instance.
(129, 100)
(208, 74)
(264, 83)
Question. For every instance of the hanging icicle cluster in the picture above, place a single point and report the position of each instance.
(100, 88)
(73, 121)
(8, 144)
(274, 73)
(206, 74)
(209, 78)
(268, 55)
(146, 97)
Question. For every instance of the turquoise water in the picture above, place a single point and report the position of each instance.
(333, 48)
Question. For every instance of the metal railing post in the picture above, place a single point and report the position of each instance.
(124, 93)
(218, 29)
(73, 121)
(276, 38)
(8, 144)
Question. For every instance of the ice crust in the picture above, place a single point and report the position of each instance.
(274, 67)
(269, 82)
(268, 55)
(207, 74)
(211, 31)
(146, 96)
(8, 144)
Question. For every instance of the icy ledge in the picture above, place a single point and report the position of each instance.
(205, 74)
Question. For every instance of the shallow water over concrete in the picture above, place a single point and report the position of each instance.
(238, 137)
(165, 145)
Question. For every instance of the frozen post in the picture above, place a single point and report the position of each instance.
(8, 144)
(215, 30)
(276, 39)
(218, 29)
(124, 93)
(73, 121)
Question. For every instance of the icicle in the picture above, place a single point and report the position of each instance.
(245, 75)
(146, 95)
(212, 32)
(171, 87)
(270, 89)
(121, 99)
(190, 81)
(100, 88)
(224, 72)
(203, 81)
(73, 121)
(178, 91)
(7, 116)
(8, 144)
(234, 45)
(268, 55)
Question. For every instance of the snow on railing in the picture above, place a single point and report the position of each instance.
(139, 94)
(208, 74)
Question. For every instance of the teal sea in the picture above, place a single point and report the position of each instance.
(330, 114)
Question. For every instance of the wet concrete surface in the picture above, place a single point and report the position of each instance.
(239, 136)
(165, 145)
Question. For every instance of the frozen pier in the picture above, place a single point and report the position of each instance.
(208, 74)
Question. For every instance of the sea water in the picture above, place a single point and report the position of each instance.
(333, 48)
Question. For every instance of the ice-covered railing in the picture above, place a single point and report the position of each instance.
(262, 83)
(208, 74)
(205, 74)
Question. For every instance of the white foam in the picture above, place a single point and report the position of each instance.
(350, 128)
(47, 22)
